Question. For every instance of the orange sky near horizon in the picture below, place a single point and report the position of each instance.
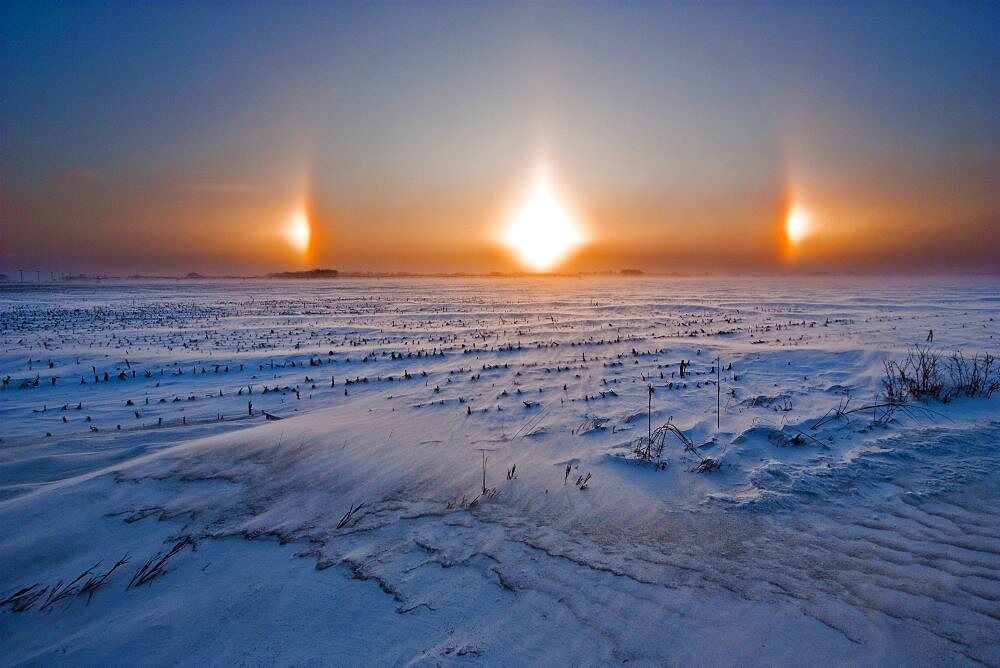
(674, 138)
(245, 232)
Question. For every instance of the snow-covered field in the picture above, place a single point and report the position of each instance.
(341, 518)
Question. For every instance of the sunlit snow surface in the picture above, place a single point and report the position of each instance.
(854, 543)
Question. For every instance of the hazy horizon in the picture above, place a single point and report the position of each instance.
(36, 277)
(169, 138)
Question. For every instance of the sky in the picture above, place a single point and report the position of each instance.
(175, 137)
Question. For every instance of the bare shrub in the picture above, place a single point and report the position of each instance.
(883, 412)
(926, 374)
(976, 377)
(650, 449)
(894, 382)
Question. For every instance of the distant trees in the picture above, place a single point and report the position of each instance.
(314, 273)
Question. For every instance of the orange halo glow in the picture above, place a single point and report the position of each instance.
(298, 232)
(542, 233)
(798, 224)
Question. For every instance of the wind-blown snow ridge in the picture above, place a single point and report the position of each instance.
(856, 542)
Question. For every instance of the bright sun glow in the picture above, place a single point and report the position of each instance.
(542, 233)
(298, 231)
(798, 224)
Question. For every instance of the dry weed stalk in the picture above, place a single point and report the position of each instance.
(154, 565)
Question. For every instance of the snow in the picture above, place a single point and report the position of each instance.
(862, 541)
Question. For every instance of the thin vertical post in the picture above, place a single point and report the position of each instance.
(649, 419)
(718, 392)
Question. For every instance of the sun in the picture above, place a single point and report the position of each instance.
(798, 224)
(298, 232)
(542, 233)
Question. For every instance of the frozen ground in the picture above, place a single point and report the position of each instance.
(863, 541)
